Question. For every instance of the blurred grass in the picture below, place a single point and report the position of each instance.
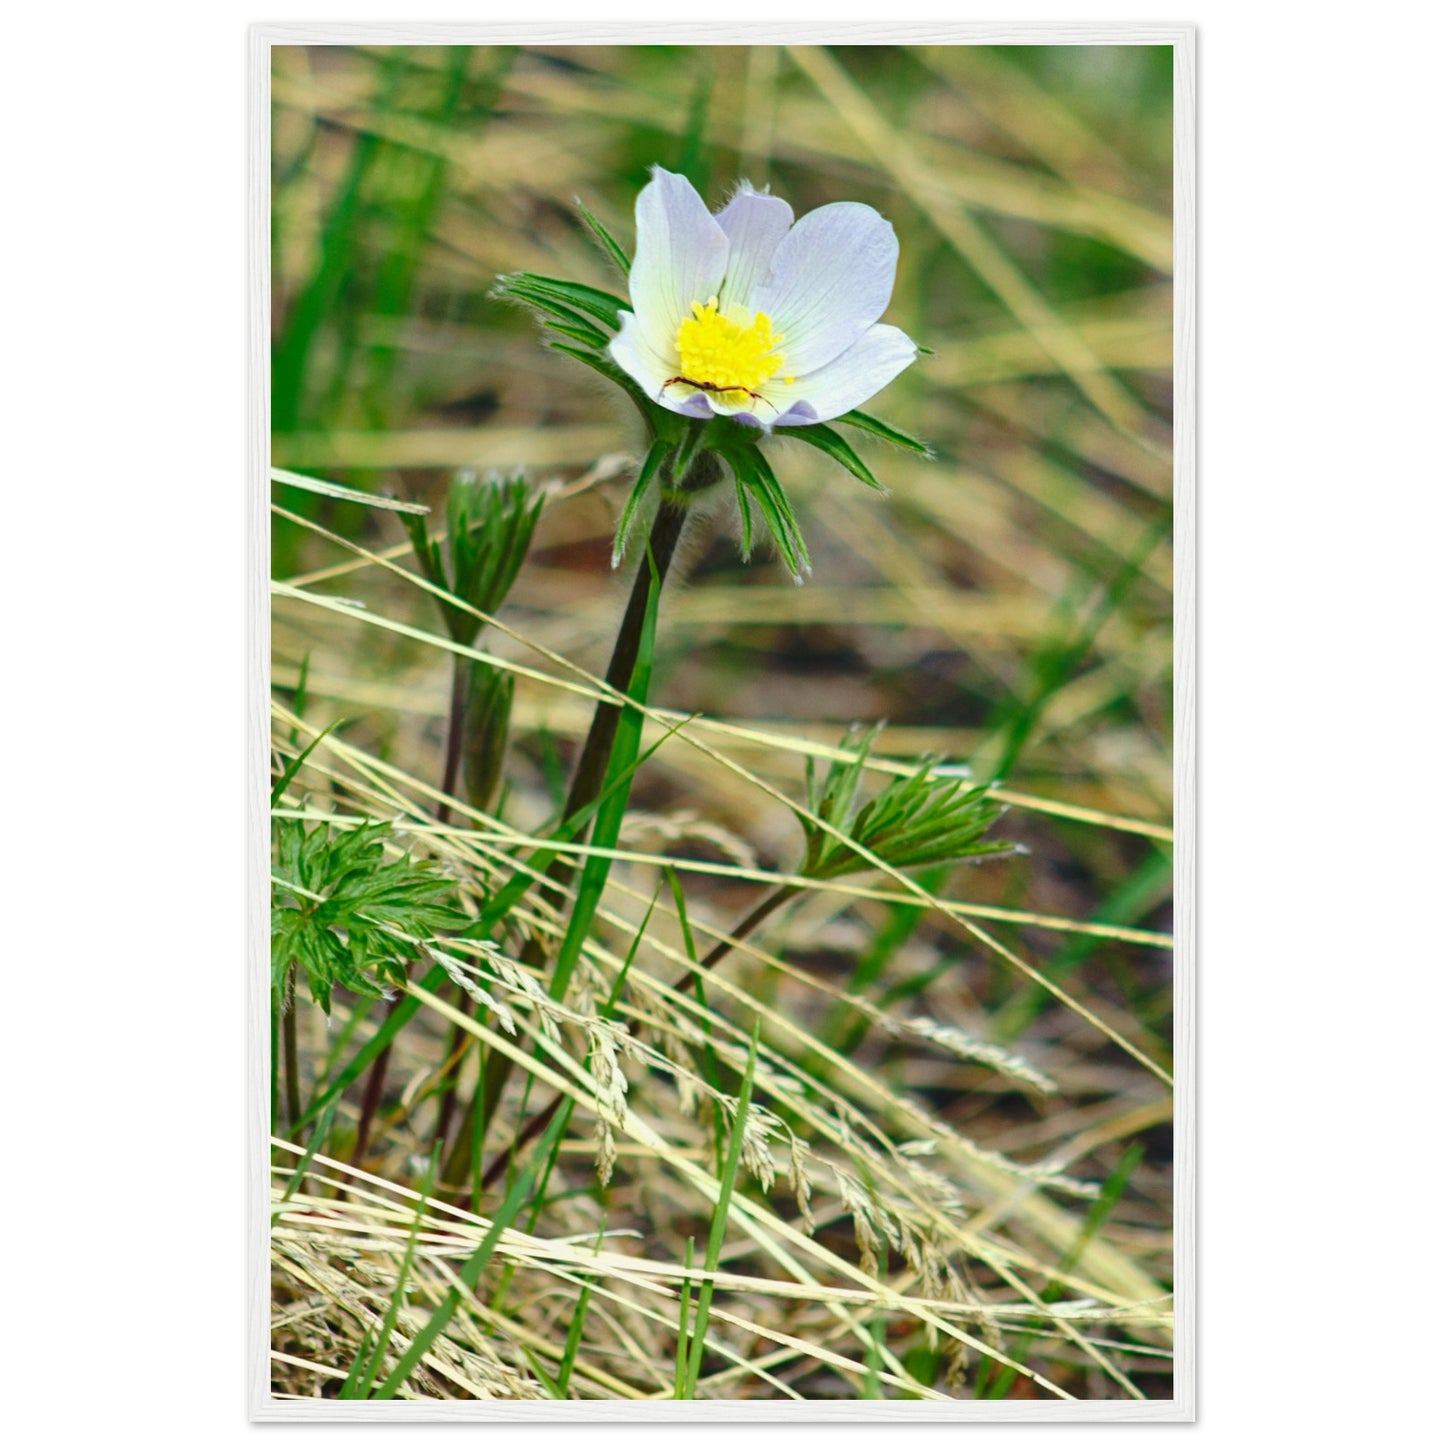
(1009, 605)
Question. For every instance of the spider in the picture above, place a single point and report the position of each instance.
(713, 387)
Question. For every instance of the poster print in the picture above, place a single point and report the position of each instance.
(722, 743)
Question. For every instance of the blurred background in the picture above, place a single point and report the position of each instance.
(1008, 606)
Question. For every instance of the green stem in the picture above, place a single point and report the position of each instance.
(591, 767)
(587, 780)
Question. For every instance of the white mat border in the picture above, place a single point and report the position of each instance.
(262, 1408)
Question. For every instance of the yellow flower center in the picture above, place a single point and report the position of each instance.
(720, 356)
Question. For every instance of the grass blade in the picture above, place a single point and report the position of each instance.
(358, 1382)
(720, 1218)
(471, 1272)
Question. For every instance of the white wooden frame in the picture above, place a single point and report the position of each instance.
(1182, 1407)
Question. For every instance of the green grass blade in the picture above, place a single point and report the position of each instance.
(872, 1388)
(708, 1060)
(718, 1232)
(613, 803)
(679, 1376)
(313, 1145)
(573, 1343)
(553, 1387)
(322, 295)
(360, 1382)
(471, 1272)
(296, 764)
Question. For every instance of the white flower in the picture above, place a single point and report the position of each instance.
(745, 314)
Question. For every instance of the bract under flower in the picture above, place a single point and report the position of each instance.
(746, 314)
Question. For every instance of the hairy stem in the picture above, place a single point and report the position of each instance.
(587, 780)
(591, 770)
(720, 951)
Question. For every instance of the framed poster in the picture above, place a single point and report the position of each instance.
(722, 726)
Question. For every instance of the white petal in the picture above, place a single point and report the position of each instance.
(681, 255)
(754, 224)
(832, 277)
(849, 380)
(631, 351)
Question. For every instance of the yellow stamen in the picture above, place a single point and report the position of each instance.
(719, 355)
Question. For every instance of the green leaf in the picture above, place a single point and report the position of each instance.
(576, 329)
(745, 514)
(829, 442)
(752, 470)
(886, 430)
(915, 821)
(774, 489)
(489, 529)
(338, 906)
(604, 239)
(550, 310)
(718, 1232)
(579, 323)
(536, 290)
(650, 463)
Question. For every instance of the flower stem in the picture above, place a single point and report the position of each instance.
(591, 767)
(769, 905)
(587, 779)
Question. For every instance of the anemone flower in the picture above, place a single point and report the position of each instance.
(749, 315)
